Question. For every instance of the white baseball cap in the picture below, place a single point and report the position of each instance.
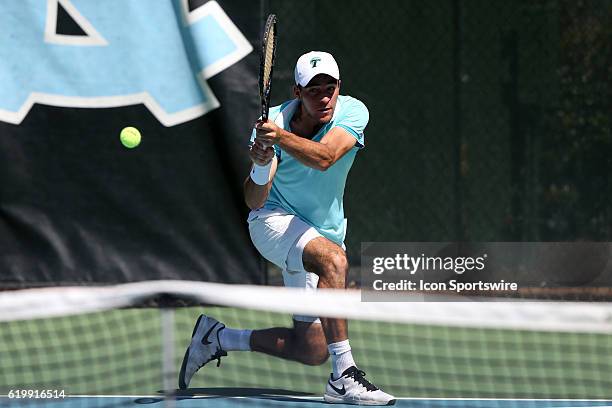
(314, 63)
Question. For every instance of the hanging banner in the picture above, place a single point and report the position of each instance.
(76, 205)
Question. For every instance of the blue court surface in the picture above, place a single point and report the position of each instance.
(268, 400)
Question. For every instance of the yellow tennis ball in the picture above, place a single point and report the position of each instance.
(130, 137)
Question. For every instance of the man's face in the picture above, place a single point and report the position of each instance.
(319, 97)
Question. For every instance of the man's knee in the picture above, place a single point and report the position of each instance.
(336, 261)
(325, 258)
(335, 269)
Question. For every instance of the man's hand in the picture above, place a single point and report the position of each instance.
(261, 155)
(267, 133)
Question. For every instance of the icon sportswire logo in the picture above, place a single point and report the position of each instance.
(133, 52)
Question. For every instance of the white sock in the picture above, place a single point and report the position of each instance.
(341, 357)
(235, 339)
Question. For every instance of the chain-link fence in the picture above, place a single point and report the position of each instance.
(489, 120)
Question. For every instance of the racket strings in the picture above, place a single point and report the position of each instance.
(269, 55)
(267, 64)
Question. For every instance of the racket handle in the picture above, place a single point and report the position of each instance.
(264, 114)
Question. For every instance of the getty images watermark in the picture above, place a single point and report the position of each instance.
(412, 264)
(414, 271)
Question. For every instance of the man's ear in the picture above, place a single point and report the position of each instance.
(296, 91)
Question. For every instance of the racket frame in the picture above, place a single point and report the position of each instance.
(265, 89)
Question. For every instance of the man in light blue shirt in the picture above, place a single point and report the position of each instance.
(314, 190)
(301, 159)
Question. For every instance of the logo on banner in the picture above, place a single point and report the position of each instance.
(130, 52)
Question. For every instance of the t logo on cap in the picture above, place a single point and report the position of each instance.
(313, 62)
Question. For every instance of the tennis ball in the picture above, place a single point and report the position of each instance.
(130, 137)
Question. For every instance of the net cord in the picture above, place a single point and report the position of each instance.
(523, 315)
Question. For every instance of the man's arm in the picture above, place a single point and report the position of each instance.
(318, 155)
(255, 195)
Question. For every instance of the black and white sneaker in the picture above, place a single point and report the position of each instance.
(205, 346)
(353, 388)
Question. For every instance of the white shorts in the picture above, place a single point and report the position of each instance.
(280, 237)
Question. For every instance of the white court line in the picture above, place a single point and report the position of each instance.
(518, 400)
(314, 398)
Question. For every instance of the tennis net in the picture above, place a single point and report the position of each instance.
(122, 345)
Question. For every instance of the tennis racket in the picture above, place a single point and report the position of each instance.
(268, 51)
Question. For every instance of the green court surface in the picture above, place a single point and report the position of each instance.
(120, 352)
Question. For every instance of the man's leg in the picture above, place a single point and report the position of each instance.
(305, 342)
(347, 384)
(328, 260)
(309, 261)
(280, 238)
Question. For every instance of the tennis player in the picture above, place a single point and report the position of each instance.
(301, 158)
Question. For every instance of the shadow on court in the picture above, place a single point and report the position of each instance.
(274, 394)
(241, 392)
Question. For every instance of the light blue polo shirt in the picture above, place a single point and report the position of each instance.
(313, 195)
